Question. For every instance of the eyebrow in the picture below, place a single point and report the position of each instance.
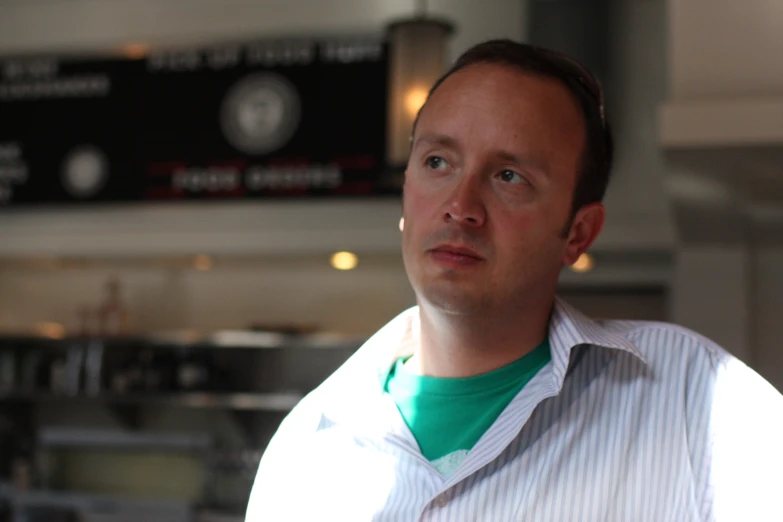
(523, 160)
(451, 143)
(436, 139)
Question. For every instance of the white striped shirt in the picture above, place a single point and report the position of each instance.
(630, 421)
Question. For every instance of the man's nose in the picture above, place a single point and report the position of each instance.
(465, 205)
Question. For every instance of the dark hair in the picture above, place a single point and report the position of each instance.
(598, 152)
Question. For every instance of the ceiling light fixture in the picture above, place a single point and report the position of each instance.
(417, 58)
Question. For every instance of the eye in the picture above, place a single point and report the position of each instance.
(435, 162)
(509, 176)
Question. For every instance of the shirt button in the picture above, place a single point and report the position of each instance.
(442, 500)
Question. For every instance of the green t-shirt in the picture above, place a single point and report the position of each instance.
(447, 416)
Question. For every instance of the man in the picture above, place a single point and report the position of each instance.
(493, 400)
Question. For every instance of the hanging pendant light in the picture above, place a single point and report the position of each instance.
(417, 58)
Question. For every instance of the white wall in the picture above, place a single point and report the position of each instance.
(726, 85)
(285, 290)
(238, 228)
(725, 48)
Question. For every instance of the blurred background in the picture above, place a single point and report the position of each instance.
(199, 207)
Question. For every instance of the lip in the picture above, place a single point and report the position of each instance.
(458, 250)
(455, 255)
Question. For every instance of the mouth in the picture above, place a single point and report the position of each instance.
(455, 255)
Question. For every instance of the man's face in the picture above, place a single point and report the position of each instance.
(488, 191)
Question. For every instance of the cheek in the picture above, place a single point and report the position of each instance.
(518, 227)
(417, 209)
(531, 235)
(410, 214)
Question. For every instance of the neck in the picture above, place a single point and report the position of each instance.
(463, 346)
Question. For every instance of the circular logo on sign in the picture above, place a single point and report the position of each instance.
(84, 171)
(260, 113)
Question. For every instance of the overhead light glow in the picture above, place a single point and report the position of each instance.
(202, 263)
(585, 263)
(414, 100)
(50, 330)
(344, 260)
(135, 51)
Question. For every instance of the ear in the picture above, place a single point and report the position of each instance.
(586, 225)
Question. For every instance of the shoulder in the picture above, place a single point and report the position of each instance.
(302, 420)
(681, 353)
(661, 340)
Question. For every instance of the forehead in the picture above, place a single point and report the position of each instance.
(507, 106)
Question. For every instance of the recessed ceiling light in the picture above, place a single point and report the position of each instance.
(344, 260)
(136, 51)
(203, 263)
(585, 263)
(50, 330)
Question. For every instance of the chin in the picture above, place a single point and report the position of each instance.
(451, 303)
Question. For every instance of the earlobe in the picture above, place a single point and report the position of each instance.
(586, 227)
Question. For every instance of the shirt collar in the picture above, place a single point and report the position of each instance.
(362, 377)
(569, 328)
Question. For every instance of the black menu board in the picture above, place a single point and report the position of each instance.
(296, 118)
